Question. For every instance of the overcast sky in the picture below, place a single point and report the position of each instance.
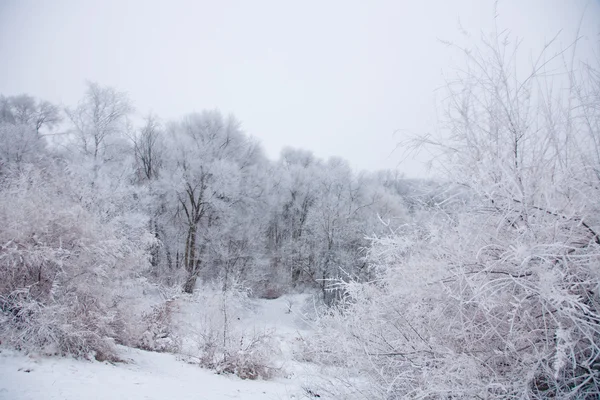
(335, 77)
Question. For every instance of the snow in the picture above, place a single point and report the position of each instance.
(149, 375)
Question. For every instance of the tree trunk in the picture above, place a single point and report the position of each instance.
(190, 260)
(190, 283)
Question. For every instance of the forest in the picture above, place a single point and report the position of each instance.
(483, 282)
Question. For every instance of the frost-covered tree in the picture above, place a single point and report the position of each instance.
(208, 182)
(100, 116)
(148, 148)
(21, 119)
(25, 110)
(320, 215)
(18, 144)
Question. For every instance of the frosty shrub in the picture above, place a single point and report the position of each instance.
(61, 271)
(209, 324)
(159, 335)
(496, 294)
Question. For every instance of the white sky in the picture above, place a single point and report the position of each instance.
(335, 77)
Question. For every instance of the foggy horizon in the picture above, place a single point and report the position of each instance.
(342, 79)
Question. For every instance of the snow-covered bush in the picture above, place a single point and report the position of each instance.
(208, 327)
(497, 293)
(224, 343)
(61, 269)
(159, 335)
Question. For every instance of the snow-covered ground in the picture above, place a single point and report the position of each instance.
(149, 375)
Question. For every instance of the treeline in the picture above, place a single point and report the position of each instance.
(94, 207)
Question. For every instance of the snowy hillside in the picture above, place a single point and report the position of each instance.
(147, 375)
(150, 375)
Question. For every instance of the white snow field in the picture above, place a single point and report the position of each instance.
(153, 376)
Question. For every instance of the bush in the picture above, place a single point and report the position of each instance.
(209, 330)
(159, 335)
(61, 271)
(496, 294)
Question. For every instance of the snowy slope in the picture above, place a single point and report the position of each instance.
(147, 376)
(150, 376)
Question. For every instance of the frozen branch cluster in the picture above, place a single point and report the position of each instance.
(496, 293)
(63, 266)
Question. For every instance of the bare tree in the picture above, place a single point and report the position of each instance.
(194, 203)
(47, 115)
(146, 146)
(25, 110)
(101, 114)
